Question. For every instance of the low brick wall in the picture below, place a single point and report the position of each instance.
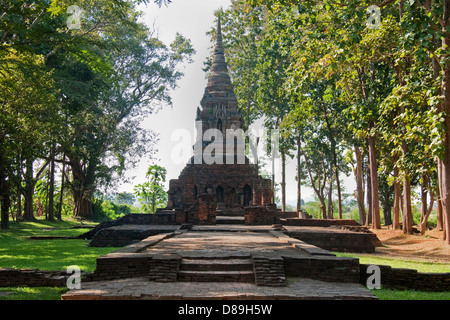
(323, 268)
(128, 262)
(286, 214)
(408, 279)
(163, 218)
(319, 222)
(259, 215)
(125, 235)
(342, 241)
(35, 278)
(269, 271)
(203, 211)
(164, 268)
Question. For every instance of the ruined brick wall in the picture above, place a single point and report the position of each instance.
(203, 211)
(323, 268)
(10, 277)
(344, 241)
(161, 217)
(269, 271)
(259, 215)
(408, 279)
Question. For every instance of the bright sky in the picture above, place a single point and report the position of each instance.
(192, 19)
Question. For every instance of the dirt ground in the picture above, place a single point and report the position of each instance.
(428, 247)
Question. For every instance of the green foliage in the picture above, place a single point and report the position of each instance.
(124, 198)
(151, 194)
(80, 92)
(105, 209)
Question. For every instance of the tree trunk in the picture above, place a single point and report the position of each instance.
(407, 212)
(28, 214)
(51, 191)
(330, 200)
(376, 223)
(426, 211)
(82, 189)
(338, 187)
(19, 201)
(444, 176)
(360, 186)
(299, 180)
(82, 204)
(387, 206)
(61, 194)
(323, 207)
(369, 197)
(439, 222)
(4, 194)
(397, 195)
(283, 181)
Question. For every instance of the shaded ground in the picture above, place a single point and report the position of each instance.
(429, 247)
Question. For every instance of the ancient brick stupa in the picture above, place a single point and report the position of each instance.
(223, 188)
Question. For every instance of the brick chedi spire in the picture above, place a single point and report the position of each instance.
(219, 79)
(204, 185)
(219, 104)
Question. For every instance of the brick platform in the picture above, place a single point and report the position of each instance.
(142, 289)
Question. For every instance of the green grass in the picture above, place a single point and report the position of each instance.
(387, 294)
(420, 266)
(18, 251)
(26, 293)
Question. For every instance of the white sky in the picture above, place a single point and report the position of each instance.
(192, 19)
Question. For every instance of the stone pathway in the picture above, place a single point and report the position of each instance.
(142, 289)
(221, 243)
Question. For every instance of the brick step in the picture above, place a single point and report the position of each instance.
(230, 220)
(216, 276)
(216, 265)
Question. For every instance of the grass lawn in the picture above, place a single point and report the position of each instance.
(25, 293)
(388, 294)
(420, 266)
(18, 251)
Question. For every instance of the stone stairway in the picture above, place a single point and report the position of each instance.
(230, 216)
(226, 269)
